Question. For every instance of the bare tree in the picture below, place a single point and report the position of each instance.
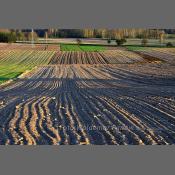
(161, 37)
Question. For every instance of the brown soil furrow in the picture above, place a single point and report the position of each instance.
(110, 122)
(85, 113)
(90, 103)
(136, 125)
(35, 127)
(154, 123)
(94, 113)
(117, 119)
(62, 127)
(12, 126)
(23, 125)
(82, 135)
(48, 122)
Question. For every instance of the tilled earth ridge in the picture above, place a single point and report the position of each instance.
(105, 57)
(90, 104)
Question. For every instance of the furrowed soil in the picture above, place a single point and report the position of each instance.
(114, 104)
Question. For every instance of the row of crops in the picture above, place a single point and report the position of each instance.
(36, 47)
(121, 56)
(51, 47)
(164, 54)
(105, 57)
(112, 104)
(13, 63)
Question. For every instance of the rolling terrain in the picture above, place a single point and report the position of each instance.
(80, 100)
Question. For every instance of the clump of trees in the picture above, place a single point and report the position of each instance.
(17, 35)
(8, 37)
(169, 44)
(120, 42)
(109, 41)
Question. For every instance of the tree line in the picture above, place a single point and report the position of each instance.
(109, 34)
(100, 33)
(7, 37)
(11, 36)
(105, 33)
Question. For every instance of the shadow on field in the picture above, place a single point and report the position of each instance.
(122, 85)
(120, 77)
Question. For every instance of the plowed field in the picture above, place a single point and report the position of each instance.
(117, 104)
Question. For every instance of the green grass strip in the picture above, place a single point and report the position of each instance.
(87, 48)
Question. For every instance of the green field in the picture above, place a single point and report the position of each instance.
(69, 47)
(75, 47)
(8, 72)
(14, 63)
(92, 48)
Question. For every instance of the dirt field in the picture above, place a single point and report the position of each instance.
(105, 57)
(164, 54)
(90, 104)
(22, 46)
